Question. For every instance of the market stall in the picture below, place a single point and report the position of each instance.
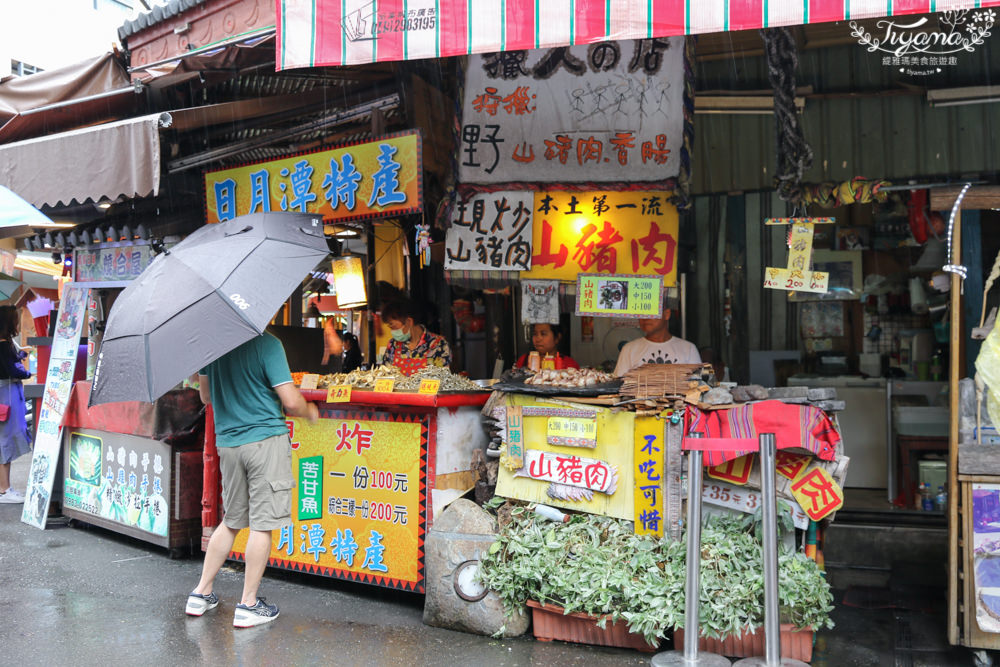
(135, 468)
(371, 475)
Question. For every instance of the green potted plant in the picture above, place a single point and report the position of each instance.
(596, 566)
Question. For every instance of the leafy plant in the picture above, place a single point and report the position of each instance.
(597, 565)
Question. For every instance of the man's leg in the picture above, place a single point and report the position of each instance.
(4, 476)
(219, 547)
(258, 551)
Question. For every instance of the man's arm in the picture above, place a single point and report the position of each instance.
(203, 392)
(295, 404)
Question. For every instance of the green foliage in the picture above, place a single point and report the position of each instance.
(597, 565)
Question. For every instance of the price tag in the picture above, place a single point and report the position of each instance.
(570, 432)
(338, 393)
(429, 386)
(384, 385)
(309, 381)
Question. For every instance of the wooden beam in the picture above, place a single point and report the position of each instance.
(954, 373)
(978, 197)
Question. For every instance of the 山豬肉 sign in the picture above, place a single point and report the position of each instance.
(368, 180)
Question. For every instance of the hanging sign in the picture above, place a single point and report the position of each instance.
(648, 458)
(58, 383)
(110, 264)
(573, 470)
(818, 493)
(615, 295)
(540, 301)
(609, 113)
(356, 508)
(368, 180)
(604, 232)
(514, 456)
(797, 276)
(491, 232)
(789, 465)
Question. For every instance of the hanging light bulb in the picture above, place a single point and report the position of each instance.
(349, 282)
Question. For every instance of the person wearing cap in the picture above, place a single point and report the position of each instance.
(657, 346)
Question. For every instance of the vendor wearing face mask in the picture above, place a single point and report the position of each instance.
(412, 347)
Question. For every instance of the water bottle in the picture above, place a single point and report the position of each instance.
(926, 499)
(941, 499)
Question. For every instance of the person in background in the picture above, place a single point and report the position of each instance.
(352, 352)
(15, 440)
(545, 338)
(412, 346)
(657, 346)
(248, 387)
(333, 348)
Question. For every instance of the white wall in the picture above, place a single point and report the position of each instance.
(53, 33)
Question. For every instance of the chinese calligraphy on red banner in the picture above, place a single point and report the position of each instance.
(611, 112)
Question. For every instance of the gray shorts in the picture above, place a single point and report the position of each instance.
(257, 484)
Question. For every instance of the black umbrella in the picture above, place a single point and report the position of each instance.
(213, 291)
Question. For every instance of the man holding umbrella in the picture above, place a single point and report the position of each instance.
(247, 389)
(205, 304)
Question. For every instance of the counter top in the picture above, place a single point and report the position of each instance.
(400, 398)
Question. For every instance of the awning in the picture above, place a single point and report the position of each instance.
(17, 216)
(347, 32)
(121, 158)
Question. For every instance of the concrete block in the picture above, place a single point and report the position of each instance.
(831, 406)
(821, 393)
(788, 392)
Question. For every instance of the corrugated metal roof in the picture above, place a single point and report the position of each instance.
(157, 14)
(863, 118)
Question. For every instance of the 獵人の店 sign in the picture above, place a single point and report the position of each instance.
(610, 112)
(378, 178)
(604, 232)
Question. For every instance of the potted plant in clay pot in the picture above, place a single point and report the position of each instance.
(615, 588)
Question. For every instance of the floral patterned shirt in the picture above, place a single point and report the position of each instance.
(431, 349)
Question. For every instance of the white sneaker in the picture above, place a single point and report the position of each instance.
(12, 496)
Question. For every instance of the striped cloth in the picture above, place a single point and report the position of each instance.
(350, 32)
(794, 426)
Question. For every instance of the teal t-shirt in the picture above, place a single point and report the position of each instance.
(247, 408)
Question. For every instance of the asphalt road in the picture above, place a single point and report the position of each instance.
(78, 595)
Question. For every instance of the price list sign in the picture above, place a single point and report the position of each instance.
(619, 295)
(798, 276)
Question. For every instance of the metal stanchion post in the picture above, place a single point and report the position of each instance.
(690, 657)
(772, 622)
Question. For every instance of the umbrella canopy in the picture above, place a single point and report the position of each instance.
(213, 291)
(17, 216)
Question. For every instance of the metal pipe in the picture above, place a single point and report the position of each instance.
(772, 630)
(692, 584)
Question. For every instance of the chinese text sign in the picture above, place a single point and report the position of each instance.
(373, 179)
(614, 295)
(491, 232)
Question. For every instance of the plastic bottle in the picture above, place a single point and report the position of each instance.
(548, 362)
(926, 499)
(534, 361)
(551, 513)
(941, 499)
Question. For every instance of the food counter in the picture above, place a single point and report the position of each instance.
(370, 476)
(135, 468)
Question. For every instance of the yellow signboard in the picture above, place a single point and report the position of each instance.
(648, 459)
(356, 508)
(338, 393)
(604, 232)
(429, 386)
(374, 179)
(798, 276)
(613, 295)
(384, 385)
(613, 428)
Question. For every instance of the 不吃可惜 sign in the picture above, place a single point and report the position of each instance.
(368, 180)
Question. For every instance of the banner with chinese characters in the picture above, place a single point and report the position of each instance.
(123, 483)
(55, 396)
(616, 295)
(110, 264)
(608, 113)
(649, 459)
(491, 232)
(375, 179)
(798, 276)
(594, 479)
(357, 508)
(604, 232)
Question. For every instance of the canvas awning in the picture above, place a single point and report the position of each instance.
(347, 32)
(120, 158)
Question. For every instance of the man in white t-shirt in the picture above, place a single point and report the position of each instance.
(656, 347)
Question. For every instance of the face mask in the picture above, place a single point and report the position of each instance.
(397, 334)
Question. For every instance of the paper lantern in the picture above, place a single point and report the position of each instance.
(349, 282)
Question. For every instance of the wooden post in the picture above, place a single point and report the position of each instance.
(955, 364)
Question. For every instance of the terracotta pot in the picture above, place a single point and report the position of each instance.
(795, 644)
(549, 622)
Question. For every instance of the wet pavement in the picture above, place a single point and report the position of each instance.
(83, 595)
